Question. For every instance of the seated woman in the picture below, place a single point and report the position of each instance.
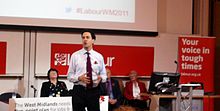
(53, 87)
(135, 92)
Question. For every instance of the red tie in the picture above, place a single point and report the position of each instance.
(89, 70)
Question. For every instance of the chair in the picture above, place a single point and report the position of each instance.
(4, 97)
(4, 106)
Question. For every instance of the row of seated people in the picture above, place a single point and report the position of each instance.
(134, 94)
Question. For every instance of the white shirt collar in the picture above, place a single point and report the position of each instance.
(84, 51)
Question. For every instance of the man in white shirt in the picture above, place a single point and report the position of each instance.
(86, 71)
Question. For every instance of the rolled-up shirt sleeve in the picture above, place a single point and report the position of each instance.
(71, 74)
(103, 71)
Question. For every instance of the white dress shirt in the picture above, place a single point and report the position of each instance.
(136, 90)
(77, 67)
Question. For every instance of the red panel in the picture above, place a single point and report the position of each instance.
(3, 47)
(197, 63)
(196, 59)
(120, 59)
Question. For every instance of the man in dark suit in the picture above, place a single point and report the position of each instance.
(113, 91)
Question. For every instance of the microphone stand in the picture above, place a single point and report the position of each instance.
(35, 90)
(177, 66)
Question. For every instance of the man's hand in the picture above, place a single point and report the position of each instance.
(99, 79)
(84, 78)
(112, 101)
(144, 94)
(138, 97)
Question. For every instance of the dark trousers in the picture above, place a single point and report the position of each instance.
(142, 104)
(111, 107)
(83, 97)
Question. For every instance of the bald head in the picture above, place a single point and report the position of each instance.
(108, 71)
(133, 75)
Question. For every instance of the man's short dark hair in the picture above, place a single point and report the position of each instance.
(91, 32)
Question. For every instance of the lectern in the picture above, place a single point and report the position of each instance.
(189, 96)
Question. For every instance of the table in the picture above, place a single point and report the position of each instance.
(168, 102)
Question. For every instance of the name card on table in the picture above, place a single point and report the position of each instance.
(103, 101)
(41, 104)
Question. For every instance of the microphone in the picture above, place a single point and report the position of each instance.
(35, 90)
(177, 66)
(176, 62)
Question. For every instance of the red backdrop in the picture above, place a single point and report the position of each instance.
(3, 47)
(196, 60)
(196, 63)
(120, 59)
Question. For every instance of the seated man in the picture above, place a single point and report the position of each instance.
(135, 92)
(113, 91)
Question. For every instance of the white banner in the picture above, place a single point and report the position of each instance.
(49, 104)
(41, 104)
(103, 101)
